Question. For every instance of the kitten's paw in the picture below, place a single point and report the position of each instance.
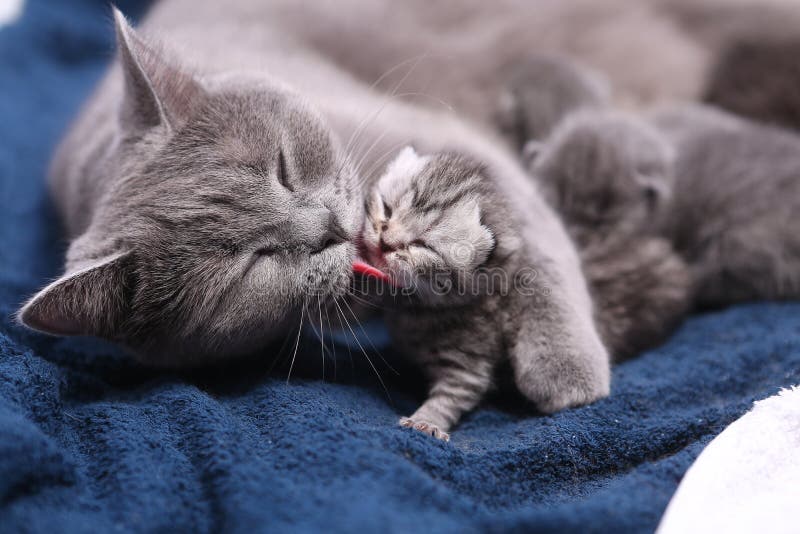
(569, 389)
(425, 427)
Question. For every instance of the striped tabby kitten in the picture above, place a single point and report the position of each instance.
(470, 298)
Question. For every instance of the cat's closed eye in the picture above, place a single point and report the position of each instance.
(283, 176)
(258, 255)
(387, 210)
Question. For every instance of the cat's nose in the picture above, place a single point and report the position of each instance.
(332, 236)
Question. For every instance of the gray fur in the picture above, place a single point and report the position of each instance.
(735, 207)
(605, 172)
(641, 288)
(758, 78)
(443, 228)
(610, 176)
(542, 91)
(181, 203)
(187, 247)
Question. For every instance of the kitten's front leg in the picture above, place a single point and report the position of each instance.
(556, 353)
(459, 382)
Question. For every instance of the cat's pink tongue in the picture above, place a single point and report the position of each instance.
(365, 269)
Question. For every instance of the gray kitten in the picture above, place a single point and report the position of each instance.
(443, 232)
(610, 176)
(735, 207)
(542, 91)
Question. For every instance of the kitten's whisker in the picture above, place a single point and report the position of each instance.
(365, 353)
(369, 340)
(297, 342)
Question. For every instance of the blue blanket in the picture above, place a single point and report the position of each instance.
(92, 442)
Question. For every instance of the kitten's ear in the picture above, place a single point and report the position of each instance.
(407, 161)
(157, 91)
(91, 301)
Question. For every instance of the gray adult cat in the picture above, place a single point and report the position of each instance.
(208, 204)
(735, 207)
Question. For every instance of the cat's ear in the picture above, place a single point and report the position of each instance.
(94, 300)
(158, 92)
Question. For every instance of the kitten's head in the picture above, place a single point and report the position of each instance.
(233, 206)
(424, 225)
(543, 90)
(603, 169)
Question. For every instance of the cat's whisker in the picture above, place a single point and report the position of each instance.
(322, 337)
(366, 302)
(332, 350)
(369, 340)
(318, 335)
(297, 342)
(366, 154)
(369, 118)
(361, 161)
(375, 369)
(380, 161)
(380, 78)
(349, 351)
(422, 94)
(279, 356)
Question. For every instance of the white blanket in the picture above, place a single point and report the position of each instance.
(748, 478)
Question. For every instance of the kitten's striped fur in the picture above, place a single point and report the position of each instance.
(445, 231)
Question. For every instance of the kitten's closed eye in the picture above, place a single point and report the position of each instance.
(387, 210)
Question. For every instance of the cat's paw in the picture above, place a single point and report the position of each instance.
(425, 427)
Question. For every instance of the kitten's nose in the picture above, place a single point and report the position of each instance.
(387, 247)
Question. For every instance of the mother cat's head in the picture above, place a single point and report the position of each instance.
(231, 205)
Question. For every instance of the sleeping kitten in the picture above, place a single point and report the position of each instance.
(442, 231)
(543, 90)
(610, 176)
(735, 207)
(604, 172)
